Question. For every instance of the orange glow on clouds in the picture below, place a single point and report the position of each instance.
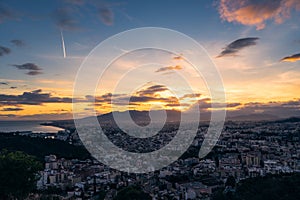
(251, 13)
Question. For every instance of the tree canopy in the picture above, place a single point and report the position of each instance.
(132, 193)
(18, 174)
(280, 187)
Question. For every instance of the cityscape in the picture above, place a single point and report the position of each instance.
(149, 100)
(245, 150)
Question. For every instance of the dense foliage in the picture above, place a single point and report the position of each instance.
(18, 174)
(40, 147)
(279, 187)
(132, 193)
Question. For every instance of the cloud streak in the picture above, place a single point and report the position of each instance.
(144, 97)
(251, 110)
(35, 97)
(180, 57)
(106, 15)
(75, 2)
(103, 11)
(4, 50)
(257, 12)
(32, 68)
(63, 44)
(6, 13)
(233, 48)
(292, 58)
(64, 20)
(152, 90)
(11, 109)
(169, 68)
(3, 83)
(18, 43)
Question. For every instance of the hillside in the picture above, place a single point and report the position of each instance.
(41, 147)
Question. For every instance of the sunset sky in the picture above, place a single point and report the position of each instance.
(255, 45)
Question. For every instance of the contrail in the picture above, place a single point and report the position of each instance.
(63, 44)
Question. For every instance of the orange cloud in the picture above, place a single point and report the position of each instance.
(178, 57)
(256, 13)
(143, 99)
(292, 58)
(170, 68)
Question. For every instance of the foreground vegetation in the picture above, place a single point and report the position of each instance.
(279, 187)
(40, 147)
(18, 174)
(132, 193)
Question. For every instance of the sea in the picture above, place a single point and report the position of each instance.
(33, 126)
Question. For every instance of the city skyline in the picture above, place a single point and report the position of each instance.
(254, 45)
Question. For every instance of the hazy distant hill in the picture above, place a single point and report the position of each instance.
(291, 119)
(142, 118)
(139, 117)
(253, 117)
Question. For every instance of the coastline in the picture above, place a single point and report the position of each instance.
(28, 126)
(63, 124)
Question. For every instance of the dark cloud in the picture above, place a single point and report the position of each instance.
(169, 68)
(13, 87)
(64, 19)
(106, 15)
(3, 83)
(177, 105)
(152, 90)
(6, 13)
(276, 109)
(234, 47)
(8, 116)
(180, 57)
(28, 66)
(65, 16)
(37, 91)
(291, 103)
(105, 11)
(143, 99)
(75, 2)
(11, 109)
(196, 95)
(207, 104)
(33, 73)
(232, 105)
(18, 43)
(36, 97)
(292, 58)
(102, 99)
(32, 68)
(4, 50)
(148, 94)
(48, 116)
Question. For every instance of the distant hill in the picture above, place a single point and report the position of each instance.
(142, 118)
(253, 117)
(291, 119)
